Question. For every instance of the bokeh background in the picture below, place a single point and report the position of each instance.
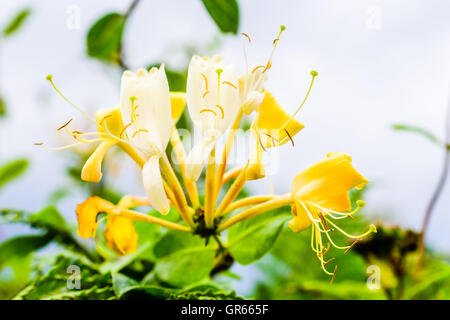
(380, 62)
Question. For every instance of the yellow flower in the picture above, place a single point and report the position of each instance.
(320, 195)
(111, 119)
(120, 232)
(272, 127)
(177, 103)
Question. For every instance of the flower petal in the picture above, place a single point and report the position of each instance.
(92, 169)
(153, 185)
(256, 168)
(326, 182)
(121, 234)
(203, 93)
(110, 119)
(145, 102)
(271, 125)
(87, 212)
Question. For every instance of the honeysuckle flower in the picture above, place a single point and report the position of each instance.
(272, 127)
(106, 118)
(120, 232)
(119, 229)
(320, 195)
(213, 103)
(146, 112)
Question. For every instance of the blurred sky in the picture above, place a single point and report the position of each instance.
(379, 63)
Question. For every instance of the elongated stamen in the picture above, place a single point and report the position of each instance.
(138, 131)
(314, 74)
(50, 78)
(244, 49)
(352, 245)
(66, 146)
(275, 42)
(290, 138)
(219, 72)
(221, 110)
(372, 229)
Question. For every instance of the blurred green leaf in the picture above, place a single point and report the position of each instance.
(12, 170)
(122, 283)
(54, 284)
(183, 258)
(225, 14)
(18, 20)
(104, 38)
(430, 285)
(22, 246)
(250, 240)
(346, 290)
(51, 219)
(2, 108)
(424, 132)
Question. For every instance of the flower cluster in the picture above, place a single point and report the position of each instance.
(217, 98)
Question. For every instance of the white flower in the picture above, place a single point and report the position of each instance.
(251, 86)
(146, 112)
(213, 103)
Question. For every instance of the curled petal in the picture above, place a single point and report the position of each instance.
(121, 234)
(92, 169)
(87, 213)
(109, 120)
(273, 126)
(153, 185)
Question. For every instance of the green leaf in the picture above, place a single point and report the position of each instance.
(122, 284)
(414, 129)
(104, 38)
(225, 14)
(430, 285)
(183, 258)
(54, 284)
(22, 246)
(12, 170)
(18, 20)
(49, 218)
(2, 108)
(251, 239)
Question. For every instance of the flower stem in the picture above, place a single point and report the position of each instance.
(181, 158)
(248, 202)
(167, 170)
(210, 189)
(134, 215)
(227, 150)
(279, 201)
(234, 190)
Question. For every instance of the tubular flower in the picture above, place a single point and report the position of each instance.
(213, 103)
(320, 195)
(120, 232)
(146, 111)
(105, 118)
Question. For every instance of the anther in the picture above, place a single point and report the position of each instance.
(247, 36)
(64, 125)
(351, 246)
(287, 132)
(221, 110)
(334, 275)
(38, 143)
(209, 110)
(332, 259)
(230, 84)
